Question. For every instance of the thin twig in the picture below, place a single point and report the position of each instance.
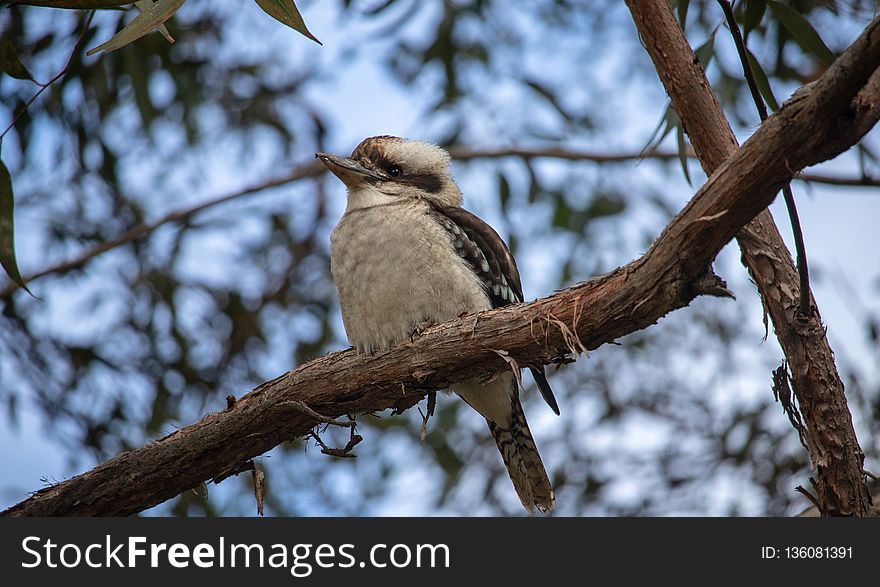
(342, 453)
(527, 153)
(58, 76)
(800, 489)
(465, 154)
(800, 249)
(184, 214)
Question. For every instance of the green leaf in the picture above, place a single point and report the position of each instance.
(563, 214)
(548, 95)
(151, 18)
(7, 231)
(802, 31)
(139, 73)
(503, 190)
(12, 65)
(146, 5)
(706, 51)
(683, 6)
(606, 204)
(668, 121)
(286, 12)
(683, 152)
(754, 14)
(763, 82)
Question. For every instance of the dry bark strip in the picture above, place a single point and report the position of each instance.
(835, 452)
(824, 122)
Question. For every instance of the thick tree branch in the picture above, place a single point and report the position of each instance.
(586, 315)
(835, 452)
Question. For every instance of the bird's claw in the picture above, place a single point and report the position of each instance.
(419, 329)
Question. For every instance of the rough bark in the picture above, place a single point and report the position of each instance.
(831, 438)
(584, 316)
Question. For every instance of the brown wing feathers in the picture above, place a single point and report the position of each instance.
(487, 254)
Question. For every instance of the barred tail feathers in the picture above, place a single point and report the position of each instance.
(498, 402)
(523, 462)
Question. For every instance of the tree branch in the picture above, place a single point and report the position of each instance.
(181, 215)
(470, 154)
(834, 108)
(864, 181)
(586, 315)
(465, 154)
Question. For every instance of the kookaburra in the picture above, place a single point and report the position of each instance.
(406, 254)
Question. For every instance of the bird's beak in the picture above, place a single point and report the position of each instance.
(351, 172)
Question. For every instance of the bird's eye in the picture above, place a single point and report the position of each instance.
(395, 171)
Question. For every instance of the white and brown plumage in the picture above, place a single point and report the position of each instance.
(406, 253)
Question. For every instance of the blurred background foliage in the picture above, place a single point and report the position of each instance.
(678, 419)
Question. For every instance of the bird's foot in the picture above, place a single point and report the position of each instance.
(420, 328)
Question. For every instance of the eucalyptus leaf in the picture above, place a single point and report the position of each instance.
(503, 190)
(754, 14)
(668, 121)
(681, 140)
(145, 5)
(763, 82)
(683, 6)
(151, 18)
(706, 51)
(7, 230)
(549, 96)
(286, 12)
(12, 65)
(802, 31)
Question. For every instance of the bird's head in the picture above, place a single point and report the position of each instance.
(384, 168)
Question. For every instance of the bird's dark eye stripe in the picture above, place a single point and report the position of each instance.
(429, 182)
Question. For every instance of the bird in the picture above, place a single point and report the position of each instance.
(405, 254)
